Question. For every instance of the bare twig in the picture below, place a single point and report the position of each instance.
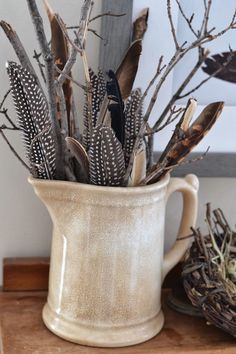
(188, 20)
(14, 151)
(18, 48)
(71, 79)
(224, 65)
(85, 13)
(36, 56)
(4, 98)
(174, 114)
(206, 17)
(4, 111)
(106, 14)
(202, 57)
(95, 33)
(5, 127)
(49, 66)
(172, 27)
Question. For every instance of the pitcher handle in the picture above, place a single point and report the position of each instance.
(188, 186)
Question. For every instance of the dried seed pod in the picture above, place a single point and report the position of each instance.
(98, 93)
(34, 121)
(107, 165)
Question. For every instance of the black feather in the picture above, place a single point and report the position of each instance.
(34, 121)
(116, 107)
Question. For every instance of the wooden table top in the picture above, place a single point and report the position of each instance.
(23, 332)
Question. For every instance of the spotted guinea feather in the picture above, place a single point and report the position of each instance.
(33, 117)
(98, 92)
(133, 122)
(107, 165)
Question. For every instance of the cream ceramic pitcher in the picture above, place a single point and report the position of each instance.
(107, 264)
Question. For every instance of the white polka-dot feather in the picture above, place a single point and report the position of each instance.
(133, 122)
(33, 116)
(107, 165)
(98, 92)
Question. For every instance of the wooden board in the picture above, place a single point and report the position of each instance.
(20, 274)
(116, 33)
(30, 274)
(23, 332)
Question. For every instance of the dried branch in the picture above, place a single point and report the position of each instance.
(14, 151)
(4, 111)
(5, 127)
(215, 73)
(4, 98)
(95, 33)
(49, 66)
(71, 79)
(106, 14)
(188, 20)
(173, 115)
(201, 58)
(203, 37)
(36, 56)
(18, 48)
(172, 27)
(77, 44)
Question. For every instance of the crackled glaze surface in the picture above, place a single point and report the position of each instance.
(107, 259)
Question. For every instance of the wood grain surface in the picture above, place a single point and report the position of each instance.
(23, 332)
(116, 33)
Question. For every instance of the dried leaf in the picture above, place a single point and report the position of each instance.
(127, 70)
(140, 25)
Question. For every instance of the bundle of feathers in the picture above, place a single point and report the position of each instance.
(112, 151)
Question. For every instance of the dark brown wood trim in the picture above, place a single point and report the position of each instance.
(25, 274)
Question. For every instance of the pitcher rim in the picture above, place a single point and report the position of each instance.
(36, 182)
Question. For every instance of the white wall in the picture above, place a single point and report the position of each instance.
(25, 225)
(25, 228)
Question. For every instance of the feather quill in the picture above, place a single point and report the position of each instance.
(34, 121)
